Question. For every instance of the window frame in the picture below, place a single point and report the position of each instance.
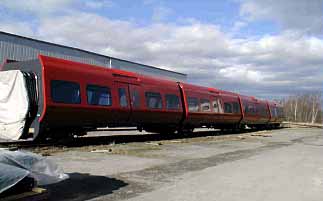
(109, 98)
(178, 102)
(135, 99)
(202, 102)
(125, 94)
(237, 105)
(153, 94)
(231, 107)
(55, 100)
(197, 104)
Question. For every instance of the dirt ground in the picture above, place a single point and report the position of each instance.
(284, 164)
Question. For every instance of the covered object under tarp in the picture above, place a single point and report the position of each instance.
(14, 104)
(17, 165)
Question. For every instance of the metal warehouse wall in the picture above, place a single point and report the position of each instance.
(22, 48)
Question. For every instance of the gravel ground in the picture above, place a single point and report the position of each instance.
(284, 164)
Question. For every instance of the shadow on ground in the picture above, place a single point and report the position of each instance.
(83, 187)
(117, 139)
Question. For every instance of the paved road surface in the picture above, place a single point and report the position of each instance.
(284, 164)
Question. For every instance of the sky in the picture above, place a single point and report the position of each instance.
(265, 48)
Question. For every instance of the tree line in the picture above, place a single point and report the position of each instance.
(306, 107)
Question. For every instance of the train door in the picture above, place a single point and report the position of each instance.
(136, 103)
(217, 109)
(123, 103)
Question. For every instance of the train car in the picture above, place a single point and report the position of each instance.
(276, 114)
(59, 98)
(256, 112)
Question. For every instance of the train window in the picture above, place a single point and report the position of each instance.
(135, 98)
(172, 102)
(98, 95)
(245, 107)
(236, 107)
(154, 100)
(217, 106)
(250, 109)
(263, 111)
(193, 104)
(205, 105)
(65, 92)
(123, 97)
(227, 108)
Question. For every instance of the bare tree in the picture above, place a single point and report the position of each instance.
(295, 108)
(305, 107)
(316, 106)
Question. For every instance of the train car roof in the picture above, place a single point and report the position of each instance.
(201, 89)
(252, 99)
(131, 77)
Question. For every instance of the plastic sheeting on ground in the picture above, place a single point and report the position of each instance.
(16, 165)
(13, 104)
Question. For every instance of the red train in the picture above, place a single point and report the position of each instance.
(66, 97)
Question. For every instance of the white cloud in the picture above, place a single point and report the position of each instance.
(238, 25)
(98, 4)
(207, 54)
(242, 73)
(270, 64)
(36, 7)
(301, 15)
(17, 28)
(161, 13)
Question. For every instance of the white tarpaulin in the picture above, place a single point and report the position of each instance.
(16, 165)
(13, 104)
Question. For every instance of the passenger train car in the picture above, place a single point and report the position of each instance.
(70, 98)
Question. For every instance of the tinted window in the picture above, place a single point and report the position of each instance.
(98, 95)
(263, 110)
(123, 97)
(250, 109)
(236, 107)
(193, 104)
(135, 99)
(227, 108)
(65, 92)
(205, 105)
(153, 100)
(215, 106)
(172, 102)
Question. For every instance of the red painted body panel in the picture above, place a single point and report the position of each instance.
(257, 117)
(59, 113)
(205, 118)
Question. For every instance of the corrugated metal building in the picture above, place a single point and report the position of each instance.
(22, 48)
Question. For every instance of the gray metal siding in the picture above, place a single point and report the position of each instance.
(141, 69)
(22, 49)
